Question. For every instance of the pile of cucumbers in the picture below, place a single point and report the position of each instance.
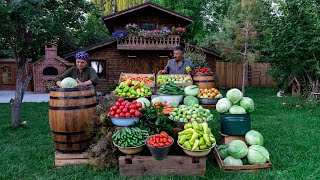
(130, 137)
(171, 89)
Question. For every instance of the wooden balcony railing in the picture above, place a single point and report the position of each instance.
(134, 42)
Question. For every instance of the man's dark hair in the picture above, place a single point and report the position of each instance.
(179, 48)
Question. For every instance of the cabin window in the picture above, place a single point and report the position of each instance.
(148, 25)
(100, 68)
(50, 71)
(6, 73)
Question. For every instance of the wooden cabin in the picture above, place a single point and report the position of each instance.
(138, 54)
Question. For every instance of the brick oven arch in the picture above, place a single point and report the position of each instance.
(50, 71)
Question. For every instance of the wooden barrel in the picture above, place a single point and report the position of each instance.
(204, 81)
(69, 111)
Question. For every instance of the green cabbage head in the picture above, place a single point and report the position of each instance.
(223, 151)
(235, 109)
(191, 90)
(234, 95)
(238, 149)
(254, 138)
(190, 100)
(68, 82)
(247, 104)
(223, 105)
(231, 161)
(258, 155)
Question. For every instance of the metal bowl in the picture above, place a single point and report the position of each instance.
(129, 150)
(171, 98)
(209, 101)
(197, 153)
(117, 121)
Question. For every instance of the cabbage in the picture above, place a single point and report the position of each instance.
(234, 95)
(258, 155)
(231, 161)
(223, 105)
(157, 99)
(174, 103)
(191, 90)
(68, 82)
(235, 109)
(223, 151)
(238, 149)
(247, 104)
(144, 101)
(190, 100)
(254, 138)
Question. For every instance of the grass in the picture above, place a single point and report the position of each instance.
(291, 135)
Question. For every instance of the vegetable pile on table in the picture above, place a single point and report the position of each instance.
(202, 70)
(170, 89)
(191, 113)
(130, 137)
(235, 103)
(196, 136)
(147, 80)
(237, 152)
(125, 109)
(209, 93)
(167, 109)
(163, 79)
(133, 89)
(160, 140)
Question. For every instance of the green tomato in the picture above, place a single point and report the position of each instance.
(188, 117)
(176, 118)
(194, 116)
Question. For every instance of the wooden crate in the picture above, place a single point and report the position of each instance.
(244, 168)
(152, 85)
(62, 159)
(181, 165)
(226, 139)
(180, 84)
(206, 106)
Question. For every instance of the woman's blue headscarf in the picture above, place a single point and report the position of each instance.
(82, 55)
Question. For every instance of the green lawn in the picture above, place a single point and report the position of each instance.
(291, 135)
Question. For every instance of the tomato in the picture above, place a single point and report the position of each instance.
(127, 106)
(167, 144)
(116, 115)
(133, 106)
(112, 113)
(118, 111)
(117, 104)
(139, 105)
(132, 111)
(123, 103)
(137, 114)
(161, 144)
(140, 109)
(163, 134)
(121, 107)
(125, 110)
(127, 114)
(114, 108)
(126, 101)
(120, 100)
(121, 114)
(157, 140)
(169, 140)
(161, 140)
(134, 102)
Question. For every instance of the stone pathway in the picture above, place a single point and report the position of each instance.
(5, 97)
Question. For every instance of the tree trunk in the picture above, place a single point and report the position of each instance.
(21, 88)
(243, 88)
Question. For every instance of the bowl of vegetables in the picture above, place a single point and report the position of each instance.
(159, 145)
(209, 101)
(197, 153)
(171, 92)
(130, 140)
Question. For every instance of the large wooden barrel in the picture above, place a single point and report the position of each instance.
(204, 81)
(69, 111)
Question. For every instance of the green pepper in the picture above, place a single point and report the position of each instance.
(195, 145)
(182, 139)
(187, 126)
(201, 141)
(206, 138)
(205, 128)
(212, 139)
(187, 145)
(194, 137)
(203, 147)
(195, 125)
(126, 89)
(187, 131)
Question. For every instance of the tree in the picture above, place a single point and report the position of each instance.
(27, 25)
(291, 44)
(237, 39)
(112, 6)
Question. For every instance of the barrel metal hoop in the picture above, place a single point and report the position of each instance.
(75, 97)
(203, 75)
(203, 81)
(68, 133)
(72, 89)
(78, 142)
(73, 107)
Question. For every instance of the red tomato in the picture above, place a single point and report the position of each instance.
(167, 143)
(125, 110)
(163, 134)
(139, 105)
(112, 113)
(121, 107)
(117, 104)
(114, 108)
(161, 140)
(140, 109)
(127, 114)
(123, 103)
(169, 140)
(121, 114)
(117, 115)
(118, 111)
(126, 101)
(120, 100)
(127, 106)
(137, 114)
(161, 144)
(131, 111)
(134, 102)
(133, 107)
(157, 140)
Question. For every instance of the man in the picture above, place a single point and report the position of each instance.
(82, 73)
(178, 65)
